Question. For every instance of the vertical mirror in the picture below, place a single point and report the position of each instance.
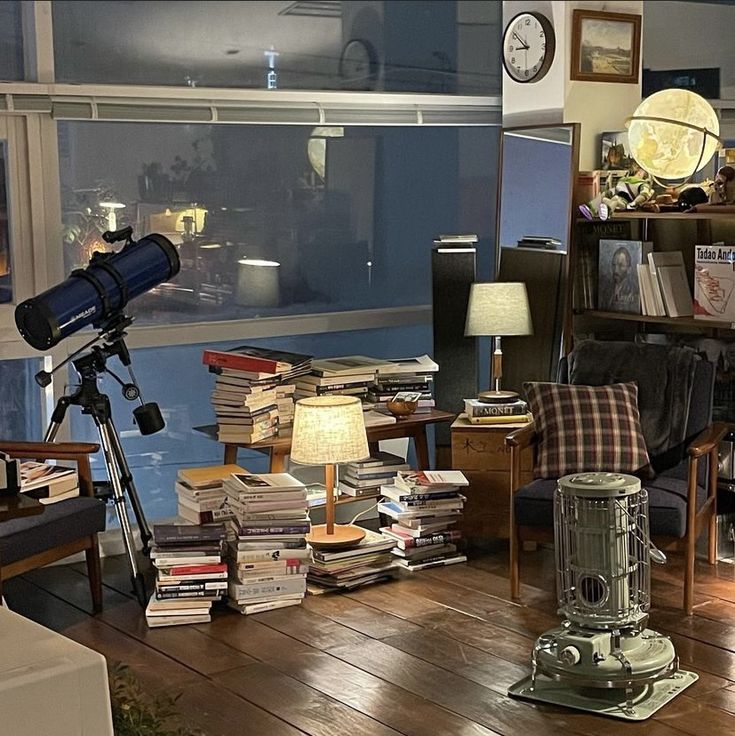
(537, 176)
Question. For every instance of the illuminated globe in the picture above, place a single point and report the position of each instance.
(673, 133)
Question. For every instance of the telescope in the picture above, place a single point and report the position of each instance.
(97, 296)
(99, 292)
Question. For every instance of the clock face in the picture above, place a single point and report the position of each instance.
(528, 47)
(358, 65)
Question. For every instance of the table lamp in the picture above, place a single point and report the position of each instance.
(498, 309)
(328, 430)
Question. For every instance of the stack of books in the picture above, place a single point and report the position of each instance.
(368, 562)
(414, 375)
(509, 412)
(191, 573)
(365, 477)
(285, 404)
(246, 396)
(200, 493)
(424, 506)
(48, 483)
(349, 375)
(268, 555)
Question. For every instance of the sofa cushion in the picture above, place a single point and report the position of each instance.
(534, 504)
(58, 524)
(586, 428)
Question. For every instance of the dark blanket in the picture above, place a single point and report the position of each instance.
(664, 375)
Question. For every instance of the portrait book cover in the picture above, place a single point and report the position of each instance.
(618, 286)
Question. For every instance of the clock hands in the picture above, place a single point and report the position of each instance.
(524, 45)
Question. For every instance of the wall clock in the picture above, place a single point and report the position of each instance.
(358, 64)
(528, 47)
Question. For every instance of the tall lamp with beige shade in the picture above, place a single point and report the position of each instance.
(498, 309)
(328, 430)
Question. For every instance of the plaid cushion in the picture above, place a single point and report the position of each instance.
(585, 428)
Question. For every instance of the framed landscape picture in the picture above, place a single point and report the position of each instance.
(605, 46)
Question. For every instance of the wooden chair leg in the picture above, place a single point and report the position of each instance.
(712, 493)
(515, 564)
(94, 571)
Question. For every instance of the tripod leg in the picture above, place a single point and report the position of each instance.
(57, 417)
(118, 497)
(129, 484)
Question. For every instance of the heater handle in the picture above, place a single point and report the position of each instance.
(656, 554)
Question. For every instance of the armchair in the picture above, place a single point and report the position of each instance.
(675, 394)
(64, 528)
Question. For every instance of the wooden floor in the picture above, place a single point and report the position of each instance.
(432, 654)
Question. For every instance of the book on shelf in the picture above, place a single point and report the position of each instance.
(176, 534)
(404, 540)
(347, 365)
(202, 517)
(669, 274)
(714, 295)
(398, 366)
(476, 408)
(263, 482)
(374, 418)
(432, 478)
(618, 285)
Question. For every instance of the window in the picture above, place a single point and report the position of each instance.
(11, 40)
(276, 220)
(20, 400)
(435, 46)
(6, 287)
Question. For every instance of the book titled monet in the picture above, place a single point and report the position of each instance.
(618, 289)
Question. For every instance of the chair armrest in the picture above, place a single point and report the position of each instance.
(77, 452)
(708, 440)
(522, 437)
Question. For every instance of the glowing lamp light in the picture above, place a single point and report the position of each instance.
(673, 134)
(111, 216)
(258, 262)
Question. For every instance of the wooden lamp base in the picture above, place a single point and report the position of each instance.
(344, 535)
(497, 397)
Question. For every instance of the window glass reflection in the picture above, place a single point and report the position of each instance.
(275, 220)
(439, 46)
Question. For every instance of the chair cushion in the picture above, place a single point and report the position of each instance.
(534, 504)
(586, 428)
(58, 524)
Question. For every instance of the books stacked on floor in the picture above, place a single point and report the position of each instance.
(365, 477)
(201, 495)
(508, 412)
(350, 375)
(191, 573)
(246, 393)
(48, 483)
(424, 506)
(370, 561)
(414, 375)
(268, 556)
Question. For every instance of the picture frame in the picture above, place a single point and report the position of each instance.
(606, 47)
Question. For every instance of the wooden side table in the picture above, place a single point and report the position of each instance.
(479, 451)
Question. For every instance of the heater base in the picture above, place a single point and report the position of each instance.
(606, 702)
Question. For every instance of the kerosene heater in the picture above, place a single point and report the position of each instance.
(603, 658)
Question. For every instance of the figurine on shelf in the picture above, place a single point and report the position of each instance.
(630, 192)
(722, 189)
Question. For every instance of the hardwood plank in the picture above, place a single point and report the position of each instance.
(298, 704)
(350, 685)
(355, 615)
(496, 711)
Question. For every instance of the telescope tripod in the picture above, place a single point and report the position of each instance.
(121, 485)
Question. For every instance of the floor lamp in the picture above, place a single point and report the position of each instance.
(498, 309)
(328, 430)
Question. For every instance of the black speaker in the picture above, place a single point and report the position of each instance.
(453, 271)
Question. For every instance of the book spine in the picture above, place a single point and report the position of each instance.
(497, 411)
(430, 541)
(197, 569)
(205, 517)
(162, 595)
(272, 555)
(222, 359)
(255, 591)
(422, 497)
(257, 531)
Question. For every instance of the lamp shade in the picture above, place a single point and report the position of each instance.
(327, 430)
(499, 309)
(673, 134)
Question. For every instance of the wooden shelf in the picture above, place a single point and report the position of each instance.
(641, 215)
(700, 324)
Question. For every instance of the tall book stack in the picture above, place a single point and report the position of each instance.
(510, 412)
(246, 396)
(349, 375)
(365, 477)
(191, 573)
(285, 404)
(424, 506)
(414, 375)
(200, 493)
(370, 561)
(268, 556)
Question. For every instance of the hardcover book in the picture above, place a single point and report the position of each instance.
(618, 285)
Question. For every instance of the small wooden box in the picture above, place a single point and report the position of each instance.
(479, 451)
